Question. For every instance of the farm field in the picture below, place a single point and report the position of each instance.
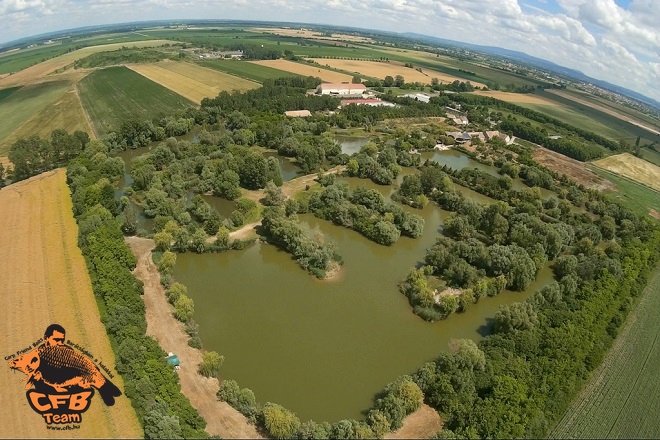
(380, 70)
(23, 104)
(312, 35)
(452, 66)
(516, 98)
(574, 169)
(66, 113)
(636, 197)
(592, 119)
(245, 69)
(16, 60)
(619, 111)
(305, 70)
(44, 281)
(116, 94)
(633, 168)
(42, 71)
(621, 398)
(191, 81)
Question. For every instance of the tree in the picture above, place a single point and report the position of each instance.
(274, 195)
(130, 221)
(399, 81)
(280, 422)
(356, 79)
(389, 81)
(211, 363)
(184, 308)
(227, 185)
(163, 241)
(167, 262)
(253, 172)
(517, 316)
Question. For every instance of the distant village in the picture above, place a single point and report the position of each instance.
(359, 94)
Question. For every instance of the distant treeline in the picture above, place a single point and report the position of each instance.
(124, 55)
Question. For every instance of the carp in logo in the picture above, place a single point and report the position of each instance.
(60, 380)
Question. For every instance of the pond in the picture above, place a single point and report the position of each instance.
(287, 168)
(323, 349)
(351, 144)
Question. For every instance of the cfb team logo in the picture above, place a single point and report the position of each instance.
(60, 380)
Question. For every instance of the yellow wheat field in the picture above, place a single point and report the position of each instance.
(633, 168)
(192, 81)
(377, 69)
(306, 70)
(44, 281)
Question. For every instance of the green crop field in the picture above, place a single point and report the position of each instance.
(246, 70)
(621, 398)
(632, 195)
(24, 58)
(116, 94)
(4, 93)
(586, 117)
(17, 107)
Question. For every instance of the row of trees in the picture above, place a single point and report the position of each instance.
(150, 383)
(34, 155)
(391, 406)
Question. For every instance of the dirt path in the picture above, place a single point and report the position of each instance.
(221, 419)
(423, 423)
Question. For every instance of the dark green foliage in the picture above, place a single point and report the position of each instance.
(311, 254)
(33, 155)
(365, 211)
(151, 384)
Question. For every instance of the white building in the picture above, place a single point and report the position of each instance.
(341, 89)
(421, 97)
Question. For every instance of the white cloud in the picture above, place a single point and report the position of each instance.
(595, 36)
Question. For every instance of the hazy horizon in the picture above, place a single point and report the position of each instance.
(616, 41)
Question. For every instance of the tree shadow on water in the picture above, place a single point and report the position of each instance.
(487, 328)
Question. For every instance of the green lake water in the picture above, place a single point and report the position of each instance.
(323, 349)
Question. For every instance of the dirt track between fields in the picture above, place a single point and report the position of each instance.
(221, 419)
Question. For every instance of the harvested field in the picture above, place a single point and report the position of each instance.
(620, 400)
(423, 423)
(40, 72)
(221, 419)
(24, 104)
(192, 81)
(306, 70)
(380, 70)
(517, 98)
(633, 168)
(312, 35)
(574, 169)
(66, 113)
(44, 281)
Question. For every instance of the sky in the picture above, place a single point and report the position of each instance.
(612, 40)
